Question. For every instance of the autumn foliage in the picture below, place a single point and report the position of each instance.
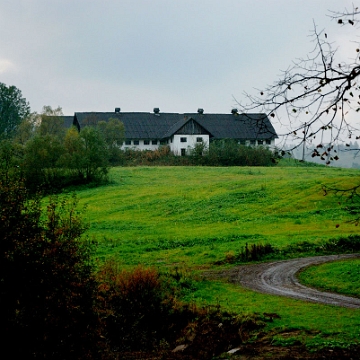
(139, 309)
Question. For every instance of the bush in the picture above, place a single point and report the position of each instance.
(137, 307)
(228, 152)
(220, 153)
(47, 287)
(255, 252)
(142, 314)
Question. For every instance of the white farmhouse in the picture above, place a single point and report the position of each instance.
(181, 132)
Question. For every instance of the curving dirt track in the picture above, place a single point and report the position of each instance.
(279, 278)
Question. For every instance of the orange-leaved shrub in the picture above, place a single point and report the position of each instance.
(141, 308)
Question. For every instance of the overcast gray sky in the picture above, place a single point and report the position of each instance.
(178, 55)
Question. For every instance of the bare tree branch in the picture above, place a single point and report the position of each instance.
(316, 100)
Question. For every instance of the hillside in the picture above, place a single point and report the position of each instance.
(186, 220)
(197, 215)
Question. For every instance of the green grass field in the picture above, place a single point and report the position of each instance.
(195, 215)
(340, 276)
(191, 217)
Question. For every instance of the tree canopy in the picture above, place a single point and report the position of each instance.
(13, 110)
(51, 122)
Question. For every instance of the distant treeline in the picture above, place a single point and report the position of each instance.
(51, 157)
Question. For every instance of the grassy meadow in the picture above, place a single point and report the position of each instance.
(340, 276)
(188, 218)
(194, 216)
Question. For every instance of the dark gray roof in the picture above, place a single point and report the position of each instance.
(141, 125)
(68, 121)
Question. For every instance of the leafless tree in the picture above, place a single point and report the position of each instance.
(318, 95)
(317, 99)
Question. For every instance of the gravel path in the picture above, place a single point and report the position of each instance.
(279, 278)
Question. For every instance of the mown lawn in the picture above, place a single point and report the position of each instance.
(191, 217)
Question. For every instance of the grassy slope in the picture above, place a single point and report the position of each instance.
(192, 216)
(195, 215)
(339, 276)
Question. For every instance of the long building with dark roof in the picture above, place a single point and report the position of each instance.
(181, 132)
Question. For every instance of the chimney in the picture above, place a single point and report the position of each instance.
(156, 110)
(117, 110)
(200, 111)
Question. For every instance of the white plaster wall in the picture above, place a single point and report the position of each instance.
(176, 145)
(141, 146)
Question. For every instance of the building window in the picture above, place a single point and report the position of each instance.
(136, 142)
(252, 142)
(127, 142)
(199, 139)
(146, 142)
(154, 142)
(183, 139)
(183, 152)
(163, 142)
(268, 142)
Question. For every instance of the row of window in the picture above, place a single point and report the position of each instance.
(198, 139)
(253, 142)
(146, 142)
(155, 142)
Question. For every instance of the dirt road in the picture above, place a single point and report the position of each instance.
(279, 278)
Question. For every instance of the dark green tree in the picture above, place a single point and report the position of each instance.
(73, 157)
(113, 132)
(85, 154)
(51, 122)
(47, 288)
(25, 131)
(95, 159)
(40, 163)
(13, 109)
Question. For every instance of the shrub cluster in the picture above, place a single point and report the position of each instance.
(52, 157)
(220, 153)
(47, 288)
(340, 245)
(57, 303)
(136, 307)
(229, 153)
(255, 252)
(142, 314)
(259, 251)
